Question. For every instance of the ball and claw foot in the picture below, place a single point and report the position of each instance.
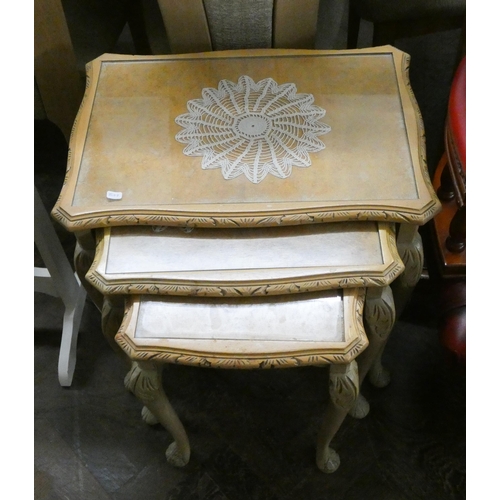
(361, 407)
(174, 457)
(148, 417)
(332, 462)
(380, 377)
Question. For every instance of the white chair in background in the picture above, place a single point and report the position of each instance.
(59, 280)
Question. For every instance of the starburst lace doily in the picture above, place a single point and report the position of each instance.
(252, 128)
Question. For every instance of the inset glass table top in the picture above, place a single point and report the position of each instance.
(244, 262)
(247, 138)
(252, 332)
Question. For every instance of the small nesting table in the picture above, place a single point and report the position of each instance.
(275, 297)
(249, 209)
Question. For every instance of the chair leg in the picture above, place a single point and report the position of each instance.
(446, 191)
(137, 25)
(411, 250)
(352, 27)
(456, 240)
(384, 34)
(69, 338)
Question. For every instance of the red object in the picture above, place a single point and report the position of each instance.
(453, 319)
(453, 298)
(456, 114)
(449, 226)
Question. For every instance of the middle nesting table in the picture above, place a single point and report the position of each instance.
(249, 298)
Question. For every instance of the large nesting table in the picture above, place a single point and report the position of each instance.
(249, 209)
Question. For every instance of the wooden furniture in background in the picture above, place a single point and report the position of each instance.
(59, 89)
(201, 26)
(449, 227)
(453, 168)
(56, 74)
(393, 19)
(67, 35)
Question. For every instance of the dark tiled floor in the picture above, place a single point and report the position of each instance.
(252, 433)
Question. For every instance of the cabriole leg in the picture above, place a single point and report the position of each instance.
(411, 251)
(344, 389)
(144, 380)
(379, 319)
(380, 316)
(111, 319)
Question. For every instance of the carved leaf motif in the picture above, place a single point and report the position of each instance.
(145, 384)
(263, 220)
(341, 215)
(412, 256)
(161, 220)
(400, 217)
(302, 218)
(380, 318)
(268, 221)
(242, 363)
(380, 314)
(413, 269)
(344, 387)
(203, 221)
(372, 215)
(352, 283)
(207, 291)
(321, 216)
(266, 361)
(158, 288)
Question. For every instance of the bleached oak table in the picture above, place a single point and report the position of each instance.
(372, 166)
(289, 173)
(249, 298)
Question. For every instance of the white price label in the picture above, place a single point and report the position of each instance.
(114, 195)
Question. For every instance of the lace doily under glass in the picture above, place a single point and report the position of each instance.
(252, 128)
